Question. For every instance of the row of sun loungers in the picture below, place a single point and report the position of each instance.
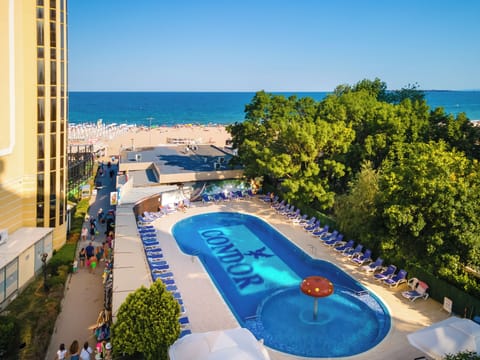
(148, 217)
(227, 196)
(160, 270)
(356, 253)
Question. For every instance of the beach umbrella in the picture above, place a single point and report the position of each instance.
(317, 287)
(449, 336)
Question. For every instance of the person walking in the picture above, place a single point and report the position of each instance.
(92, 231)
(86, 353)
(84, 233)
(61, 352)
(74, 351)
(82, 255)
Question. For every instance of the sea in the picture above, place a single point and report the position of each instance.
(210, 108)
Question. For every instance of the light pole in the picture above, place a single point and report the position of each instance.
(44, 261)
(150, 129)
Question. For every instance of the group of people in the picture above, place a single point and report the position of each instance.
(90, 255)
(103, 351)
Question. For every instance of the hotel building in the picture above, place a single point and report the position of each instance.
(33, 133)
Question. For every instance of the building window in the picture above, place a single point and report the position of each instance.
(40, 52)
(53, 15)
(41, 91)
(40, 147)
(53, 34)
(53, 145)
(40, 127)
(53, 164)
(40, 214)
(53, 4)
(40, 2)
(40, 71)
(53, 91)
(53, 109)
(41, 110)
(39, 12)
(53, 53)
(40, 166)
(53, 72)
(53, 127)
(40, 37)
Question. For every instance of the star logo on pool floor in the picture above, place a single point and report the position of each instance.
(258, 253)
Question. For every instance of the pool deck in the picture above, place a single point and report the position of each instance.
(207, 310)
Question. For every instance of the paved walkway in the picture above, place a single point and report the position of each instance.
(84, 295)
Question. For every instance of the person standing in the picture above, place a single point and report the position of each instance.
(92, 231)
(74, 351)
(82, 255)
(84, 233)
(86, 353)
(61, 352)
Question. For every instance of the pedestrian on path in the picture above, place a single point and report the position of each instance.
(92, 231)
(74, 351)
(84, 233)
(86, 353)
(82, 255)
(61, 353)
(93, 264)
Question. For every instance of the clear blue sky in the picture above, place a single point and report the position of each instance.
(275, 45)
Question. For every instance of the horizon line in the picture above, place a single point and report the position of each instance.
(250, 91)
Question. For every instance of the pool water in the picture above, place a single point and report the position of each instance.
(258, 272)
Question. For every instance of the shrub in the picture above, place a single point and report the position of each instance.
(9, 334)
(147, 323)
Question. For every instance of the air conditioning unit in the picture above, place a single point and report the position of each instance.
(138, 157)
(3, 236)
(216, 165)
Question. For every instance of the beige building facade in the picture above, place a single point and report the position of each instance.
(33, 123)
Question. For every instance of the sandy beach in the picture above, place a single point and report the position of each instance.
(115, 138)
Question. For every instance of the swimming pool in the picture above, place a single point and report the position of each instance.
(258, 272)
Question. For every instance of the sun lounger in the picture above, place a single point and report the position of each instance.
(185, 332)
(420, 292)
(152, 247)
(342, 247)
(206, 199)
(162, 274)
(184, 321)
(294, 215)
(168, 281)
(374, 266)
(334, 241)
(353, 251)
(154, 266)
(386, 273)
(328, 235)
(396, 280)
(157, 261)
(171, 288)
(154, 254)
(313, 227)
(321, 231)
(150, 242)
(364, 258)
(299, 219)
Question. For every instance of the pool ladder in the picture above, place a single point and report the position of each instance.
(313, 249)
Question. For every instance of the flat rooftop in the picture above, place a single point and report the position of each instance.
(149, 164)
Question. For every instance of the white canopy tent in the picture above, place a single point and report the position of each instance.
(449, 336)
(232, 344)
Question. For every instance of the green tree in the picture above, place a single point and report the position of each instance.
(459, 132)
(356, 211)
(147, 323)
(284, 141)
(463, 355)
(429, 201)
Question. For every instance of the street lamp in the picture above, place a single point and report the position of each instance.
(44, 261)
(150, 129)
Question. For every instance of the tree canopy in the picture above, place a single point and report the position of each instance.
(400, 177)
(147, 323)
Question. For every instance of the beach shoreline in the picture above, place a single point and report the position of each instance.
(115, 138)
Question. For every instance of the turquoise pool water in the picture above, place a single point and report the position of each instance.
(258, 272)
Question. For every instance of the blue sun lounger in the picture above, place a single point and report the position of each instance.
(396, 280)
(154, 266)
(386, 274)
(184, 321)
(185, 332)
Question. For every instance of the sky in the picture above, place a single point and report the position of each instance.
(271, 45)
